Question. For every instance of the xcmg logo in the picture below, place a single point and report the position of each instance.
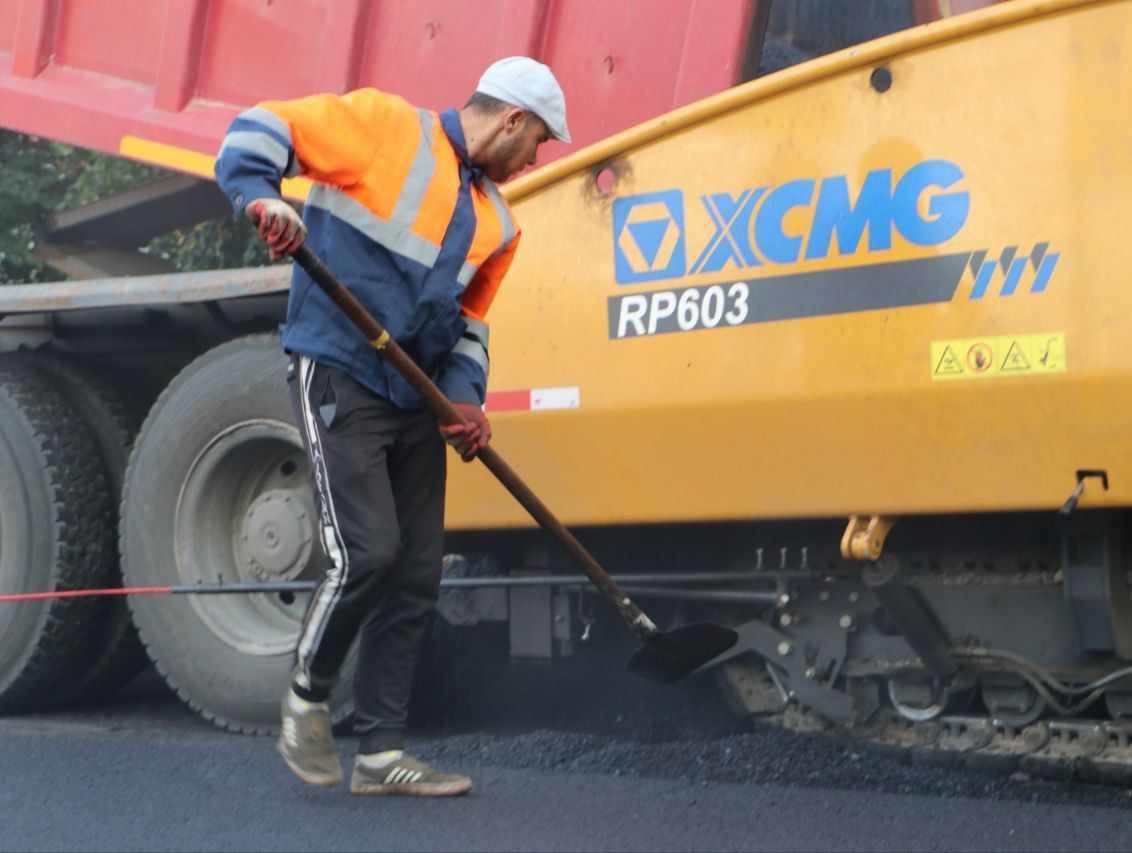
(798, 220)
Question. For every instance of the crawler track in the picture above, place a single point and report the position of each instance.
(1088, 750)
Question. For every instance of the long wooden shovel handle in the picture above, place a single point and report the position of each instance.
(394, 355)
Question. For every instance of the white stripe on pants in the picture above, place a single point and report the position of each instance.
(330, 590)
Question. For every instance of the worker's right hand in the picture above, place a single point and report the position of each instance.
(279, 225)
(470, 437)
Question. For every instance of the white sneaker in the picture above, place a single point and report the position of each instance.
(306, 742)
(397, 772)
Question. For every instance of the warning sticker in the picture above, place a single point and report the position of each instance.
(980, 357)
(1009, 355)
(948, 363)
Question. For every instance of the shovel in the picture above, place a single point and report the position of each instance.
(663, 655)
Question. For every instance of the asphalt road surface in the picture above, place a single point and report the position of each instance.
(560, 762)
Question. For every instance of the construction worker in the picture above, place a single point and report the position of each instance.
(405, 211)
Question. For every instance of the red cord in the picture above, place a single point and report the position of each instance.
(84, 593)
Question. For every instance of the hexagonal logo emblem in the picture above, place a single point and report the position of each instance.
(648, 237)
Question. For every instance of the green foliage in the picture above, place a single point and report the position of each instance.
(41, 177)
(218, 244)
(93, 176)
(37, 175)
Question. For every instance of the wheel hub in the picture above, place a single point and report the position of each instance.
(276, 537)
(1012, 701)
(917, 699)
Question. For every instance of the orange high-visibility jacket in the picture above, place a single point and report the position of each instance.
(411, 228)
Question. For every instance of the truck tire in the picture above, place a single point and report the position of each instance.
(55, 533)
(218, 490)
(113, 412)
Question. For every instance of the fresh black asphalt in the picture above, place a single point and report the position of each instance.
(78, 792)
(630, 773)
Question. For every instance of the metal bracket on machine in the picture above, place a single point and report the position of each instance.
(912, 617)
(1083, 476)
(1093, 566)
(799, 676)
(864, 537)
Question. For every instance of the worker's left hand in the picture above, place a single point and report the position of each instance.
(470, 437)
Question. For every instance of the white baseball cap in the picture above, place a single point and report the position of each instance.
(529, 85)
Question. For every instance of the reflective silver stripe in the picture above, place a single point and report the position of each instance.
(396, 239)
(468, 270)
(417, 181)
(478, 329)
(466, 274)
(269, 120)
(258, 143)
(396, 233)
(330, 590)
(502, 212)
(473, 350)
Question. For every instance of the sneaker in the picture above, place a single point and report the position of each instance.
(306, 743)
(397, 772)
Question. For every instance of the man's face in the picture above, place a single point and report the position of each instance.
(516, 146)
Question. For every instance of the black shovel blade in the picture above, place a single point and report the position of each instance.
(670, 655)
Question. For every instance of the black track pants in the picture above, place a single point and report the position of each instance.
(378, 474)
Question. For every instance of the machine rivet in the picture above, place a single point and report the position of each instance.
(846, 621)
(784, 648)
(785, 620)
(811, 673)
(823, 595)
(854, 597)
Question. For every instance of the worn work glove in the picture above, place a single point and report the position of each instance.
(278, 224)
(470, 437)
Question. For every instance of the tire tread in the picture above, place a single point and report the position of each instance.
(114, 411)
(82, 534)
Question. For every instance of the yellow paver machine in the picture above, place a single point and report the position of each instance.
(857, 330)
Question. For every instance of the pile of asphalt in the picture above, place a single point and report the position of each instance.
(589, 717)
